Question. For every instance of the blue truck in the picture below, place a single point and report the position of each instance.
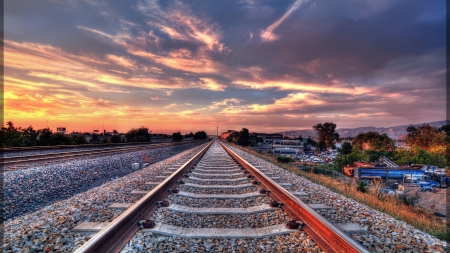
(415, 176)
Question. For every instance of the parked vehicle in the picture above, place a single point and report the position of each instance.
(285, 151)
(387, 191)
(384, 173)
(428, 188)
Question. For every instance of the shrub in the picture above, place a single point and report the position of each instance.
(361, 186)
(410, 201)
(284, 159)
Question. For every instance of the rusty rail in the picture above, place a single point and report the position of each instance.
(120, 231)
(328, 237)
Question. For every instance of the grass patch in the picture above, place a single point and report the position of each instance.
(401, 209)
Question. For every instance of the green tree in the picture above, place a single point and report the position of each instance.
(327, 135)
(78, 140)
(115, 139)
(427, 137)
(60, 139)
(445, 129)
(341, 160)
(45, 137)
(138, 135)
(311, 142)
(374, 141)
(29, 137)
(200, 135)
(254, 139)
(346, 148)
(94, 138)
(10, 136)
(177, 136)
(404, 156)
(233, 137)
(244, 137)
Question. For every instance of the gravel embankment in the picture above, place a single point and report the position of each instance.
(49, 229)
(28, 190)
(386, 234)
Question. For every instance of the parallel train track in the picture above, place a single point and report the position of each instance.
(15, 162)
(218, 174)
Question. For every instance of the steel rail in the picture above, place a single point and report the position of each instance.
(98, 145)
(120, 231)
(20, 160)
(327, 236)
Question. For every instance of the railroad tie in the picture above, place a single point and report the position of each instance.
(169, 230)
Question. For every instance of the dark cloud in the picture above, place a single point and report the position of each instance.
(375, 58)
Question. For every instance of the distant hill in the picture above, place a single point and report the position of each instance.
(394, 132)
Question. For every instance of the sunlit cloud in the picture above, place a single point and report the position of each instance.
(181, 23)
(170, 106)
(196, 64)
(57, 77)
(180, 64)
(225, 103)
(267, 34)
(210, 84)
(313, 87)
(363, 115)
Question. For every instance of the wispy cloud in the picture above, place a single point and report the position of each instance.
(267, 34)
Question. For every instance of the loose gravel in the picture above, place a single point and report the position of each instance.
(49, 229)
(145, 241)
(28, 190)
(188, 220)
(219, 203)
(149, 242)
(386, 234)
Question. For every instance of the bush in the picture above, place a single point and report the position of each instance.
(177, 136)
(410, 201)
(361, 186)
(284, 159)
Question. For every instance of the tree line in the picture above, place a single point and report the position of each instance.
(427, 145)
(200, 135)
(11, 136)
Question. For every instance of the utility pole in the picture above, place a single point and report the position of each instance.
(217, 135)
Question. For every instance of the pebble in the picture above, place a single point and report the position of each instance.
(56, 220)
(384, 230)
(28, 190)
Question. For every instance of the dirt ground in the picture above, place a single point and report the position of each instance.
(427, 199)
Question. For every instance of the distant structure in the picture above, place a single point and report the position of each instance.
(268, 138)
(61, 130)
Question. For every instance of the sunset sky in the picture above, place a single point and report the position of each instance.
(194, 65)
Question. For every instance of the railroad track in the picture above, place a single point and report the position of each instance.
(222, 202)
(17, 162)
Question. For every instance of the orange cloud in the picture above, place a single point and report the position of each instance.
(181, 61)
(210, 84)
(292, 86)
